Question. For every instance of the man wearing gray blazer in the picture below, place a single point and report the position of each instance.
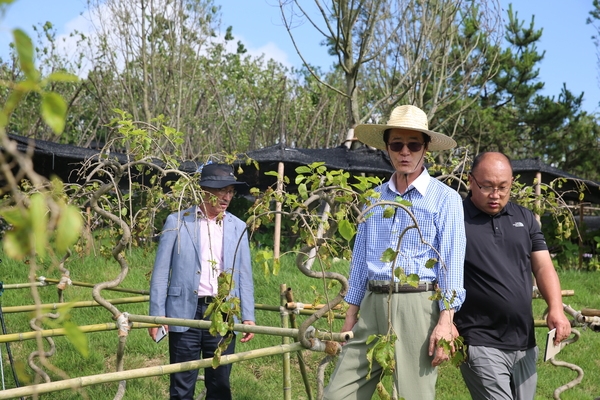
(196, 245)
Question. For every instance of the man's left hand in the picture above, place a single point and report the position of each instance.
(559, 321)
(247, 335)
(443, 330)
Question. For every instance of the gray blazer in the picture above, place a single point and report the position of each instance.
(176, 273)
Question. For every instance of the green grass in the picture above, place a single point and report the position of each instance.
(258, 378)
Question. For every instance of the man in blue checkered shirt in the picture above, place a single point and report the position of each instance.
(418, 322)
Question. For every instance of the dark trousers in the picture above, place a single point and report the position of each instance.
(189, 346)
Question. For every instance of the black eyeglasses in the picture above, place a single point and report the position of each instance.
(222, 192)
(412, 146)
(487, 190)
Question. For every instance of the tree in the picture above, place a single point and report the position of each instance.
(512, 116)
(493, 119)
(426, 53)
(153, 58)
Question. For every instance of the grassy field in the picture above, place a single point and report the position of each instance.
(253, 379)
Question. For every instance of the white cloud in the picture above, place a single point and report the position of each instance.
(272, 51)
(269, 50)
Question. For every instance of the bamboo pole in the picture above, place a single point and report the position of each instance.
(91, 285)
(143, 321)
(49, 281)
(23, 285)
(266, 330)
(308, 309)
(109, 326)
(278, 207)
(77, 304)
(289, 296)
(292, 305)
(580, 238)
(538, 192)
(590, 312)
(80, 382)
(287, 379)
(312, 254)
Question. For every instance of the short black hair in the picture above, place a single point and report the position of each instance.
(386, 137)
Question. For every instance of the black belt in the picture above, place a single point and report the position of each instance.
(205, 300)
(396, 287)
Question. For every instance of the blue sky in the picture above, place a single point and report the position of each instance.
(570, 53)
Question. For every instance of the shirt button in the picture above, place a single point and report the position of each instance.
(195, 292)
(198, 272)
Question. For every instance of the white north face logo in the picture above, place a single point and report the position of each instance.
(518, 225)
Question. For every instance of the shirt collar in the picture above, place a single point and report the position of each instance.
(200, 215)
(420, 184)
(473, 211)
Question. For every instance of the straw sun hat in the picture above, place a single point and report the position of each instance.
(403, 117)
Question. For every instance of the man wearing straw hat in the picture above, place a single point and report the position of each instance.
(196, 245)
(415, 319)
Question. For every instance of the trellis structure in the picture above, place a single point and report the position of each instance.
(321, 341)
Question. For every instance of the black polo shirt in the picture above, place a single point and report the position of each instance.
(498, 279)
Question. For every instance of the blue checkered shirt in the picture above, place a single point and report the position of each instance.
(438, 210)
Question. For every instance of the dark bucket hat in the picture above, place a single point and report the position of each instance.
(218, 176)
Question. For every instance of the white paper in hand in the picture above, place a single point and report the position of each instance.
(551, 348)
(161, 333)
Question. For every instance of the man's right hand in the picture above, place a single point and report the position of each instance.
(351, 318)
(153, 331)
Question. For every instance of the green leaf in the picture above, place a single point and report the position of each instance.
(346, 229)
(413, 280)
(385, 356)
(389, 212)
(15, 244)
(23, 372)
(54, 111)
(13, 216)
(77, 338)
(62, 77)
(222, 327)
(399, 274)
(209, 309)
(382, 392)
(431, 263)
(38, 215)
(405, 203)
(303, 170)
(13, 100)
(388, 255)
(302, 190)
(24, 48)
(371, 338)
(68, 229)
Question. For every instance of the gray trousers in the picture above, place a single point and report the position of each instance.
(499, 374)
(413, 317)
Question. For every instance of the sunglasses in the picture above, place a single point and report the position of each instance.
(412, 146)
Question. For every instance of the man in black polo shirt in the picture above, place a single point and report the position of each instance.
(504, 247)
